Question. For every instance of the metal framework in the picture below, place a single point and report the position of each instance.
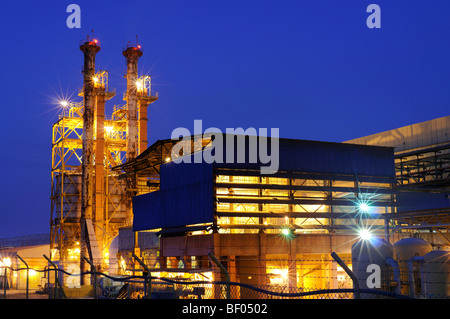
(111, 196)
(423, 170)
(428, 167)
(247, 202)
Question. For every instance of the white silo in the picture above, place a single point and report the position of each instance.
(409, 253)
(369, 264)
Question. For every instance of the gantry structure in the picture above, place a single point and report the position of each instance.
(89, 202)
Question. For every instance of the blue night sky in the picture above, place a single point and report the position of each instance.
(313, 69)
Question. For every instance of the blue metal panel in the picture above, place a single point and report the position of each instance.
(321, 157)
(413, 201)
(147, 211)
(185, 198)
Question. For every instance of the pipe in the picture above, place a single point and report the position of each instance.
(224, 270)
(147, 279)
(395, 266)
(349, 273)
(89, 49)
(28, 272)
(412, 285)
(132, 55)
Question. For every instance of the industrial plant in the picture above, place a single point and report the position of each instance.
(365, 218)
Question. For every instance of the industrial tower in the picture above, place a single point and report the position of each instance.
(89, 203)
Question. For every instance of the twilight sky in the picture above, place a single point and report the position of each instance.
(313, 69)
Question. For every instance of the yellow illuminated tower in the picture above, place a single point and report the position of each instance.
(89, 203)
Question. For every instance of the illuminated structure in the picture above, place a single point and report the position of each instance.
(89, 203)
(422, 168)
(260, 226)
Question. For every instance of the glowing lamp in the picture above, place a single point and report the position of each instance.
(365, 234)
(64, 103)
(7, 262)
(364, 207)
(139, 85)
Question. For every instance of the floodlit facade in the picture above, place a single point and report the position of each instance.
(33, 257)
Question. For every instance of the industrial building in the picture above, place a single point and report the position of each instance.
(272, 230)
(262, 226)
(22, 252)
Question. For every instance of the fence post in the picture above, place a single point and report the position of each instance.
(95, 274)
(227, 275)
(147, 279)
(349, 272)
(5, 282)
(55, 288)
(28, 272)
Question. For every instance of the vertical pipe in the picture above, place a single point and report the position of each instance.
(100, 215)
(132, 55)
(143, 120)
(90, 49)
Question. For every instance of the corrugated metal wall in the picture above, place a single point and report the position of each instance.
(186, 193)
(185, 198)
(326, 158)
(410, 137)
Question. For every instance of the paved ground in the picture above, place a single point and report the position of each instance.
(21, 294)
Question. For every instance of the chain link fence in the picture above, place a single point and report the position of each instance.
(105, 286)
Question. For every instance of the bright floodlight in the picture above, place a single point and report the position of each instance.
(364, 207)
(108, 129)
(365, 234)
(64, 103)
(285, 231)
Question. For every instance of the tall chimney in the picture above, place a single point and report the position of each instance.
(90, 48)
(132, 55)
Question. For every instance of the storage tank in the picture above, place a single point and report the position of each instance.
(437, 274)
(369, 256)
(404, 250)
